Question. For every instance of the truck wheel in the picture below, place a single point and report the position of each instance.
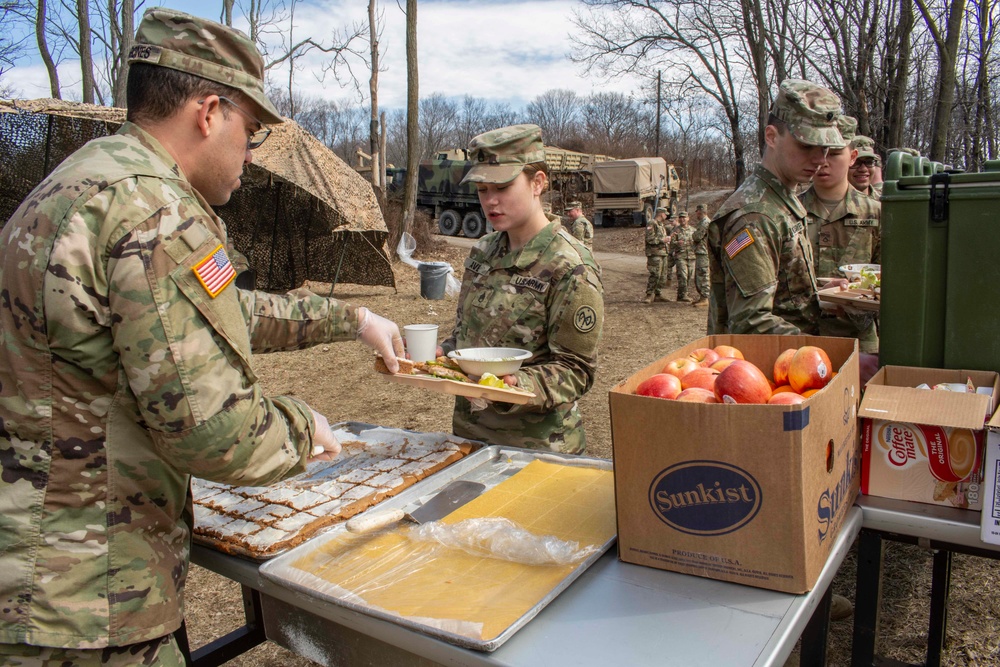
(449, 223)
(639, 218)
(473, 224)
(600, 220)
(647, 214)
(673, 207)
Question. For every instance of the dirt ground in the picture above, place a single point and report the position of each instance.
(634, 335)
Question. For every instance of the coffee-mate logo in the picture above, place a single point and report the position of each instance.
(902, 444)
(705, 497)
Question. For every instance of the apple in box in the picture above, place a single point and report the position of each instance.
(661, 385)
(742, 382)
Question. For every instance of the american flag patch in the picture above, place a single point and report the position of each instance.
(738, 243)
(215, 272)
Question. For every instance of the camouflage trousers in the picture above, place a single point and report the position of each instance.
(701, 277)
(658, 274)
(685, 272)
(159, 652)
(671, 269)
(852, 325)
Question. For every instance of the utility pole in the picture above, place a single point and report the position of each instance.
(658, 105)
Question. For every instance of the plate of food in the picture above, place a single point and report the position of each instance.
(444, 375)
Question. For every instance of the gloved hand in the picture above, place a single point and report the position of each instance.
(382, 336)
(477, 404)
(325, 445)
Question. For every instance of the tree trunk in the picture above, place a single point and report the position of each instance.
(227, 12)
(86, 53)
(947, 46)
(898, 73)
(373, 131)
(753, 28)
(122, 38)
(412, 118)
(43, 50)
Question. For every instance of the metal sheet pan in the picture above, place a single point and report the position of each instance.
(490, 466)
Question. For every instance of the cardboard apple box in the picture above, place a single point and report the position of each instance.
(925, 445)
(753, 494)
(989, 522)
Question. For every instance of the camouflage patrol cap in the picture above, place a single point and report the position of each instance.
(864, 145)
(500, 155)
(810, 111)
(847, 125)
(203, 48)
(700, 207)
(660, 209)
(573, 204)
(682, 214)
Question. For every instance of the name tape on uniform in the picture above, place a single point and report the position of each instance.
(531, 283)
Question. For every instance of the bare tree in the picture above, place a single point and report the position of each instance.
(438, 123)
(616, 125)
(557, 112)
(947, 49)
(412, 117)
(43, 49)
(12, 14)
(377, 173)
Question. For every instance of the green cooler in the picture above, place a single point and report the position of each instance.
(940, 266)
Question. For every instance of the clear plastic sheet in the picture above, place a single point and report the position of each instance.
(407, 246)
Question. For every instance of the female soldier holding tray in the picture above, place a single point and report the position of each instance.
(529, 285)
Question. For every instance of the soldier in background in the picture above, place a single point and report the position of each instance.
(671, 270)
(530, 285)
(657, 241)
(701, 264)
(126, 366)
(766, 258)
(843, 228)
(682, 250)
(866, 168)
(578, 225)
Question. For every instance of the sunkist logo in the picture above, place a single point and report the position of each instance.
(705, 497)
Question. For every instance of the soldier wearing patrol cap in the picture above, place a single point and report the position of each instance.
(126, 365)
(657, 254)
(867, 164)
(530, 285)
(682, 251)
(843, 228)
(767, 282)
(701, 265)
(579, 226)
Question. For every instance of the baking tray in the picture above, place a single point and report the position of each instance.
(490, 465)
(856, 299)
(467, 389)
(244, 522)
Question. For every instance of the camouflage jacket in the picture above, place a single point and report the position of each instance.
(682, 242)
(583, 230)
(766, 258)
(120, 376)
(657, 238)
(700, 236)
(547, 298)
(849, 234)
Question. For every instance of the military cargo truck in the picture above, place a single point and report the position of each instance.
(629, 191)
(455, 207)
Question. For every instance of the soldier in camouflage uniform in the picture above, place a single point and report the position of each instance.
(682, 250)
(579, 226)
(671, 226)
(126, 365)
(657, 253)
(766, 258)
(701, 265)
(866, 165)
(843, 228)
(531, 285)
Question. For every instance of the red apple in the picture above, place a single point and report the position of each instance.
(680, 367)
(705, 356)
(786, 398)
(700, 377)
(722, 362)
(742, 382)
(661, 385)
(781, 366)
(728, 351)
(810, 369)
(697, 395)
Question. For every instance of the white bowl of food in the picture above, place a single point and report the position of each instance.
(499, 361)
(853, 271)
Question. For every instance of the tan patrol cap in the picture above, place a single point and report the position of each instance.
(700, 207)
(682, 214)
(573, 204)
(203, 48)
(847, 125)
(810, 111)
(500, 155)
(865, 146)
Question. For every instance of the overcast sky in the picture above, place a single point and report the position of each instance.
(501, 50)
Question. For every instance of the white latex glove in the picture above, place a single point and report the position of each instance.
(325, 445)
(382, 336)
(477, 404)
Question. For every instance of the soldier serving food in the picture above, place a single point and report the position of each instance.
(126, 365)
(531, 285)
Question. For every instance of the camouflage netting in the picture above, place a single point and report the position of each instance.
(301, 213)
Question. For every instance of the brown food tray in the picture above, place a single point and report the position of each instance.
(376, 463)
(467, 389)
(858, 299)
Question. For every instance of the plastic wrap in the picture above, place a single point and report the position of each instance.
(496, 537)
(407, 246)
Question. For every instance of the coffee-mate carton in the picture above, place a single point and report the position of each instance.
(921, 444)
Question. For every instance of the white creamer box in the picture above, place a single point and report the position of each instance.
(921, 444)
(989, 521)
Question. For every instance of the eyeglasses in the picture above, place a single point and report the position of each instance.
(868, 163)
(258, 137)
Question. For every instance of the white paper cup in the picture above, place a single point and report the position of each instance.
(421, 341)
